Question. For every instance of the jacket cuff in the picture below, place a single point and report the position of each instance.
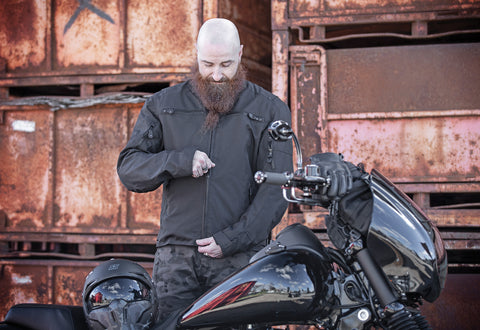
(225, 243)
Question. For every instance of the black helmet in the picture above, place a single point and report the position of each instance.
(119, 294)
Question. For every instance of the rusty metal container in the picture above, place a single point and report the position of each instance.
(394, 85)
(86, 45)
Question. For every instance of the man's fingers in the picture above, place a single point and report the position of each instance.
(204, 241)
(201, 164)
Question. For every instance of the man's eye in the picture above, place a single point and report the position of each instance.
(226, 65)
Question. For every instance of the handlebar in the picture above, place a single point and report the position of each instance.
(308, 182)
(279, 179)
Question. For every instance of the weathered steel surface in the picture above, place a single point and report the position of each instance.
(66, 36)
(404, 78)
(82, 37)
(58, 173)
(25, 171)
(308, 97)
(456, 307)
(345, 101)
(114, 42)
(87, 194)
(161, 33)
(24, 47)
(334, 11)
(426, 149)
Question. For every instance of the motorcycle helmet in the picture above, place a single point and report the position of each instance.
(119, 294)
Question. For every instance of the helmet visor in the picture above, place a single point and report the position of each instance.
(127, 289)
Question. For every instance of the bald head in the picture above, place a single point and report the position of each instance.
(218, 31)
(218, 49)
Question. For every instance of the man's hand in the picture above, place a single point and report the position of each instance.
(209, 247)
(201, 164)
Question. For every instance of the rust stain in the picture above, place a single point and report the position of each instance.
(25, 155)
(91, 40)
(162, 33)
(24, 46)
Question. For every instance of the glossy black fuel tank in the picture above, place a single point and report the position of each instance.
(404, 242)
(282, 284)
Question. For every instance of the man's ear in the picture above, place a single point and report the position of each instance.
(241, 52)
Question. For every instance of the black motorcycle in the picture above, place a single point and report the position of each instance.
(388, 258)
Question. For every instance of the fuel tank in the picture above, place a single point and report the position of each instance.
(281, 284)
(404, 242)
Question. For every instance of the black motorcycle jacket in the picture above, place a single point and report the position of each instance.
(225, 203)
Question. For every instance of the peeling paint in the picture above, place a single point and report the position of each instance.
(21, 279)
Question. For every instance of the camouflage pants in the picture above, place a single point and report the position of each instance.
(181, 274)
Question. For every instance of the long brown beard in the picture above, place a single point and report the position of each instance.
(217, 97)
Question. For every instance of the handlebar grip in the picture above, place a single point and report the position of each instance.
(272, 178)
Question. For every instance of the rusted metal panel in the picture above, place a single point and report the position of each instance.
(404, 78)
(24, 35)
(376, 10)
(114, 42)
(413, 140)
(23, 284)
(439, 148)
(86, 35)
(456, 307)
(308, 97)
(59, 175)
(87, 194)
(162, 33)
(103, 36)
(25, 170)
(279, 69)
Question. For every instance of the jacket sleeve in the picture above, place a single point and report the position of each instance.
(268, 205)
(143, 165)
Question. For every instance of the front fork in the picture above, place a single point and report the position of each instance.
(393, 313)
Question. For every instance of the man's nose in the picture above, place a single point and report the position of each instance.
(217, 75)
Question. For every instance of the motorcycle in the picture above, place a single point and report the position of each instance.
(376, 275)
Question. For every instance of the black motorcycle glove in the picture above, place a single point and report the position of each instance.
(333, 166)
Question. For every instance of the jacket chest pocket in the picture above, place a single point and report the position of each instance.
(182, 128)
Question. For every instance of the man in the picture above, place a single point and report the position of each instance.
(203, 140)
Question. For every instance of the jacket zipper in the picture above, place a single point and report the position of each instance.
(207, 184)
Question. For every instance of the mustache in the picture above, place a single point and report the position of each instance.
(221, 81)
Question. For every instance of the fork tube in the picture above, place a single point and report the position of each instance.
(376, 278)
